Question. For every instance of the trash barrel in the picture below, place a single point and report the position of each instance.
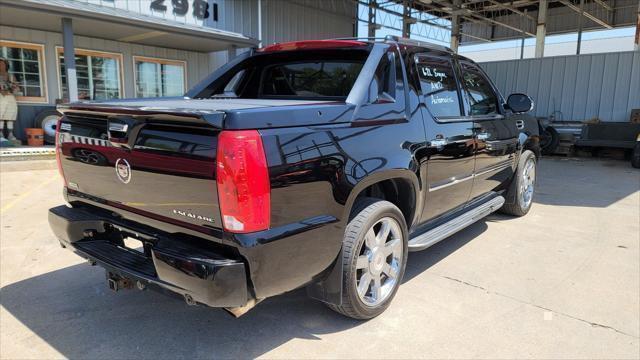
(35, 137)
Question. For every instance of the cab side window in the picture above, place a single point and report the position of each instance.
(383, 85)
(439, 86)
(482, 99)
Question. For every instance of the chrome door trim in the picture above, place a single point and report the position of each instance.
(450, 182)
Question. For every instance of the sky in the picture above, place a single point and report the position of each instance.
(551, 39)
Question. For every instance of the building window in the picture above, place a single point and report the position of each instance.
(99, 75)
(26, 62)
(159, 77)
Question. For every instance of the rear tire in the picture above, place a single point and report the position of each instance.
(521, 190)
(549, 140)
(635, 156)
(373, 263)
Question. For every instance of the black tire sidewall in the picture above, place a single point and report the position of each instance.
(554, 141)
(383, 209)
(635, 156)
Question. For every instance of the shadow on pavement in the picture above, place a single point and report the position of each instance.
(74, 312)
(580, 182)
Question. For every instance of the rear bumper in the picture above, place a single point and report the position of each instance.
(200, 269)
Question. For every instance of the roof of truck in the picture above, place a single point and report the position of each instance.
(349, 43)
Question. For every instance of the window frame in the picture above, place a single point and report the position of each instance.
(42, 70)
(456, 75)
(467, 102)
(160, 61)
(78, 51)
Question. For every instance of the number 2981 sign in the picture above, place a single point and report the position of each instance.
(200, 8)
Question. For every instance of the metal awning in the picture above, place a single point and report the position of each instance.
(94, 20)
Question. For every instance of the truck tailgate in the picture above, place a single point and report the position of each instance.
(157, 164)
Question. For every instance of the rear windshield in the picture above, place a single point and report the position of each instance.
(304, 75)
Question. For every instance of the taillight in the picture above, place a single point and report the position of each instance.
(244, 191)
(59, 150)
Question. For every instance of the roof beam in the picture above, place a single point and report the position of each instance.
(577, 9)
(470, 14)
(604, 4)
(514, 4)
(512, 9)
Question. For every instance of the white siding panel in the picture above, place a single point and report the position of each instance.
(575, 87)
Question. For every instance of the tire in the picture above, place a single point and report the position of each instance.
(635, 156)
(518, 201)
(362, 254)
(47, 120)
(549, 140)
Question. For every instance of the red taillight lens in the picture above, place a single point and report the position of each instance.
(59, 150)
(244, 191)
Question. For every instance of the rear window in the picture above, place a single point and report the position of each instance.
(310, 79)
(299, 75)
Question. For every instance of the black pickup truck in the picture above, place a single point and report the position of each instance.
(316, 164)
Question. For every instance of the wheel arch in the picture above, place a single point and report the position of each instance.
(400, 187)
(530, 142)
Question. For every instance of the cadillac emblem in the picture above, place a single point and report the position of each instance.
(123, 170)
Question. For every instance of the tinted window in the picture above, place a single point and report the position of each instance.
(482, 99)
(310, 79)
(382, 87)
(439, 86)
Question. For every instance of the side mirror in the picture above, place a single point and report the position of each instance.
(519, 103)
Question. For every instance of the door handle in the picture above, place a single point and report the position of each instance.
(520, 124)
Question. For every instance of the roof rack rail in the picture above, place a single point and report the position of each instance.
(414, 42)
(400, 40)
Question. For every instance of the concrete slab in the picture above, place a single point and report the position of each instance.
(562, 282)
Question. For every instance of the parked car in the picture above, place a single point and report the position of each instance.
(316, 164)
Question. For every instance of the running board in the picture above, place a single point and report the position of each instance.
(452, 226)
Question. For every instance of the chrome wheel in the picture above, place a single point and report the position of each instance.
(379, 262)
(49, 125)
(528, 183)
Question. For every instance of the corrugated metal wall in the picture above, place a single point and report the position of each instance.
(577, 87)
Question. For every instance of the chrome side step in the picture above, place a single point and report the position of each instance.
(452, 226)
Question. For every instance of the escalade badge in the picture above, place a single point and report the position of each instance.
(123, 170)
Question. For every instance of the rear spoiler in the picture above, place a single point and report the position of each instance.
(144, 113)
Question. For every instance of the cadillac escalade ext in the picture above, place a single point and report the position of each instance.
(316, 164)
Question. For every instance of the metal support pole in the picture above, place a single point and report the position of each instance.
(541, 28)
(69, 59)
(406, 24)
(524, 24)
(580, 21)
(260, 23)
(371, 23)
(636, 43)
(455, 27)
